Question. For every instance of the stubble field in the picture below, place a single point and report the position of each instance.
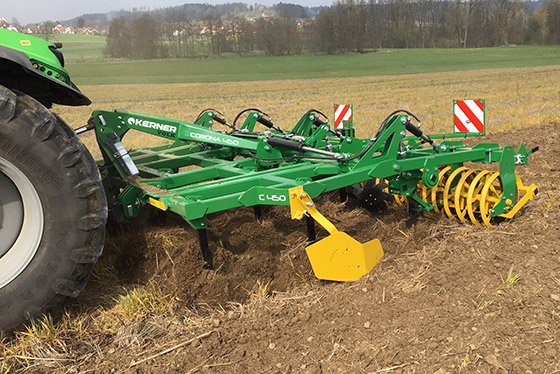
(515, 97)
(446, 298)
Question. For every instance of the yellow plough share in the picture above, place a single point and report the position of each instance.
(338, 257)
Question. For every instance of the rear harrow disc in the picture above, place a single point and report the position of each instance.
(393, 198)
(449, 190)
(491, 195)
(461, 192)
(473, 196)
(373, 196)
(437, 191)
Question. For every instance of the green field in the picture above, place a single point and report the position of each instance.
(79, 48)
(384, 62)
(88, 65)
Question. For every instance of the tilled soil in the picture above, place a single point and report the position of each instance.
(447, 297)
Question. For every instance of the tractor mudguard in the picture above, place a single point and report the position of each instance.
(23, 76)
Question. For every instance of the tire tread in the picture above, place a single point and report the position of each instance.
(48, 128)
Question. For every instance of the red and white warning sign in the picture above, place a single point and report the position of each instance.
(469, 115)
(342, 113)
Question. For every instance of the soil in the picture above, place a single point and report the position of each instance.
(438, 302)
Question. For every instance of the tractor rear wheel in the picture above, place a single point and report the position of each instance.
(52, 211)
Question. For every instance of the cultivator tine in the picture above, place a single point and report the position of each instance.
(258, 212)
(343, 193)
(311, 232)
(338, 257)
(204, 249)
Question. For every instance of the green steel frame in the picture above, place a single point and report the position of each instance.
(205, 171)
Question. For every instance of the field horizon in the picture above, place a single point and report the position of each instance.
(259, 68)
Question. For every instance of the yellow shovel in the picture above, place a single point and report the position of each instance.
(338, 257)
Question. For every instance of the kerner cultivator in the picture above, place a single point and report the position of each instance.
(206, 170)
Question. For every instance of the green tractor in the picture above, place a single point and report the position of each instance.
(53, 195)
(52, 205)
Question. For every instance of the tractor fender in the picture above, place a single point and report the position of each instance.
(24, 77)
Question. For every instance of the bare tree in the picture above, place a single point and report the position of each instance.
(217, 33)
(119, 40)
(48, 29)
(145, 33)
(325, 35)
(553, 23)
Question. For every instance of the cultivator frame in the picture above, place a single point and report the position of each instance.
(205, 171)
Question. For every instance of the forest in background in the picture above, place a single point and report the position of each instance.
(346, 26)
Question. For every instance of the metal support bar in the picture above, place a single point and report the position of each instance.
(343, 194)
(258, 212)
(302, 205)
(311, 233)
(204, 249)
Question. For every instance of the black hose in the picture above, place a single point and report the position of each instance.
(208, 110)
(363, 152)
(298, 125)
(248, 110)
(379, 131)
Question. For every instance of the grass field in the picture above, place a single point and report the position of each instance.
(256, 68)
(88, 65)
(80, 48)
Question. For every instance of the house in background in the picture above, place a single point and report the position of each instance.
(88, 31)
(4, 24)
(60, 29)
(34, 30)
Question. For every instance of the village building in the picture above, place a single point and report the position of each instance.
(4, 24)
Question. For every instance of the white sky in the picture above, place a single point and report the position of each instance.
(35, 11)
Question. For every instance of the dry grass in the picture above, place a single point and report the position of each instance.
(72, 338)
(514, 97)
(142, 321)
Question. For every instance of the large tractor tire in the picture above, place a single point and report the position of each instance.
(52, 211)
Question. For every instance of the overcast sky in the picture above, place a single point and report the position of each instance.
(34, 11)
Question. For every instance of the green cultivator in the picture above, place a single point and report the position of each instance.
(53, 201)
(242, 166)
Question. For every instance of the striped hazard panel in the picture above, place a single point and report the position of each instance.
(342, 115)
(469, 116)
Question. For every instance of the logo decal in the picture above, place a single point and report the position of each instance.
(213, 138)
(168, 129)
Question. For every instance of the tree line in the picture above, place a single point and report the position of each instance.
(346, 26)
